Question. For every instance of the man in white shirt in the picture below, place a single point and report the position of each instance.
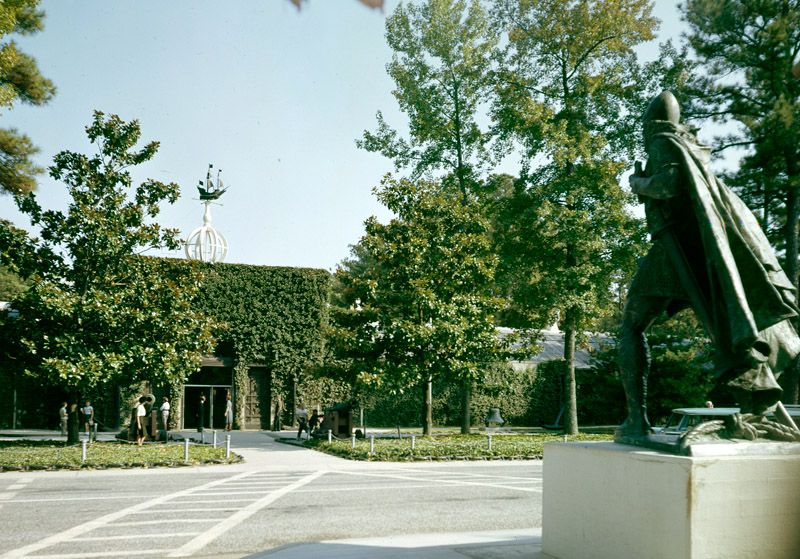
(165, 413)
(88, 417)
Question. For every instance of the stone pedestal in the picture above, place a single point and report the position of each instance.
(610, 501)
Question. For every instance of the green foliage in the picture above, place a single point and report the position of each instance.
(440, 66)
(20, 81)
(270, 315)
(547, 395)
(96, 311)
(512, 391)
(681, 370)
(602, 397)
(420, 307)
(449, 447)
(11, 286)
(51, 455)
(568, 94)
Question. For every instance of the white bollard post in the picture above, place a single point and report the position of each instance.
(565, 437)
(227, 447)
(215, 438)
(330, 436)
(354, 442)
(413, 442)
(372, 444)
(94, 429)
(185, 450)
(489, 436)
(83, 451)
(202, 437)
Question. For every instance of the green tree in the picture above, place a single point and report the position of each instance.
(20, 81)
(441, 69)
(748, 50)
(97, 311)
(11, 285)
(568, 93)
(420, 304)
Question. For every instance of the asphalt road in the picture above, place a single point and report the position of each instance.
(238, 511)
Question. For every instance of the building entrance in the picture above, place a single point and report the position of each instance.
(213, 409)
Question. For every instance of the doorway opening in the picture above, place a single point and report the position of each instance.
(213, 416)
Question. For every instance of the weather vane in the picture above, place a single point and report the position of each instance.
(211, 191)
(206, 243)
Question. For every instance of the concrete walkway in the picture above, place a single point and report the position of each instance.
(262, 451)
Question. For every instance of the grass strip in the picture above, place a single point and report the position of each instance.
(55, 455)
(447, 447)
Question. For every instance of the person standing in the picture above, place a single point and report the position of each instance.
(201, 413)
(228, 412)
(141, 412)
(314, 422)
(62, 418)
(165, 413)
(277, 421)
(302, 419)
(88, 417)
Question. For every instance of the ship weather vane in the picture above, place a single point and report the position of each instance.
(206, 243)
(208, 189)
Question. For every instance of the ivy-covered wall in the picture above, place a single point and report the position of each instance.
(273, 316)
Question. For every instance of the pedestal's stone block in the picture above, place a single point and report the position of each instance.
(610, 501)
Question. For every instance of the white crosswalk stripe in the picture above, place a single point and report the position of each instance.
(177, 543)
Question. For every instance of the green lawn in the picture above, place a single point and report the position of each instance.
(46, 455)
(448, 447)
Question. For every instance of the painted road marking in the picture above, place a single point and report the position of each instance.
(11, 491)
(439, 480)
(135, 537)
(102, 521)
(88, 555)
(162, 522)
(227, 524)
(217, 501)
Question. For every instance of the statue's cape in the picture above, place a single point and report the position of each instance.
(749, 290)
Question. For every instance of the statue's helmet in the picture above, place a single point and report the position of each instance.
(663, 106)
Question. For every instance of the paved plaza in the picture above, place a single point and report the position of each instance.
(282, 502)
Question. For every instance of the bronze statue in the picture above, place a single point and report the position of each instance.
(708, 253)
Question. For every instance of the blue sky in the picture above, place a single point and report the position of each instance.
(273, 96)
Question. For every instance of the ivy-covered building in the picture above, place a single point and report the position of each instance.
(271, 332)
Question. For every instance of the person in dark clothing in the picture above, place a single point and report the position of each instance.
(201, 414)
(302, 419)
(314, 421)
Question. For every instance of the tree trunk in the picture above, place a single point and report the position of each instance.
(427, 408)
(571, 404)
(73, 425)
(466, 401)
